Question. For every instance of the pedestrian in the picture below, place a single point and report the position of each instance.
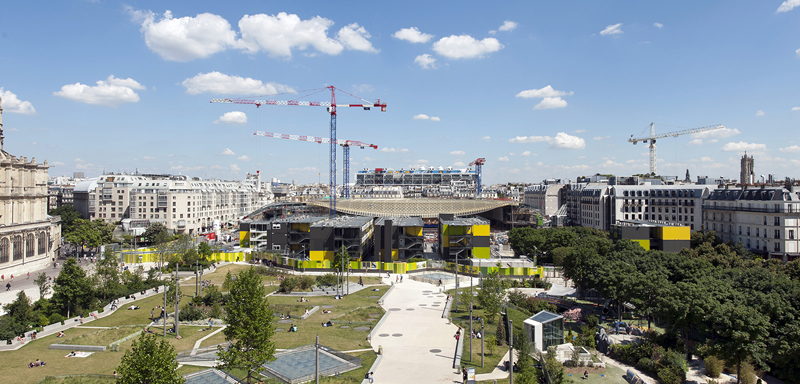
(401, 278)
(8, 286)
(464, 374)
(368, 376)
(29, 275)
(12, 277)
(3, 276)
(152, 311)
(397, 279)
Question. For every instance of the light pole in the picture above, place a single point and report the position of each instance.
(456, 274)
(510, 351)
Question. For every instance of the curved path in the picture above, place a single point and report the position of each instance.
(418, 344)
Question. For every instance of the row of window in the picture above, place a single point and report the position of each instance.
(658, 193)
(34, 244)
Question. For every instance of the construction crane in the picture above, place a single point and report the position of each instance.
(331, 108)
(652, 139)
(345, 144)
(478, 163)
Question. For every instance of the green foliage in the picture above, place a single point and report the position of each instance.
(527, 373)
(490, 343)
(72, 289)
(250, 325)
(328, 279)
(212, 295)
(592, 321)
(747, 374)
(668, 375)
(500, 334)
(56, 318)
(149, 361)
(491, 295)
(554, 369)
(216, 310)
(156, 233)
(306, 282)
(19, 315)
(646, 364)
(289, 284)
(192, 313)
(107, 273)
(713, 366)
(268, 271)
(43, 283)
(586, 337)
(68, 215)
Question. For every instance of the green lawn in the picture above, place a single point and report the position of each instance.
(101, 337)
(342, 339)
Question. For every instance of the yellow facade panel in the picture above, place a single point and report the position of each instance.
(644, 243)
(480, 230)
(321, 255)
(481, 252)
(675, 233)
(414, 231)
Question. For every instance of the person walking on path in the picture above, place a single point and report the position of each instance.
(8, 286)
(464, 374)
(29, 275)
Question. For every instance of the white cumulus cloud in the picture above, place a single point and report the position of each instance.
(458, 153)
(148, 158)
(243, 158)
(788, 5)
(279, 34)
(220, 83)
(412, 35)
(614, 29)
(504, 158)
(14, 105)
(354, 37)
(508, 26)
(562, 140)
(658, 25)
(547, 91)
(743, 146)
(426, 61)
(550, 103)
(486, 138)
(57, 163)
(185, 38)
(790, 149)
(459, 164)
(228, 152)
(423, 116)
(394, 150)
(695, 142)
(235, 168)
(111, 92)
(466, 47)
(795, 108)
(760, 113)
(526, 153)
(706, 158)
(234, 117)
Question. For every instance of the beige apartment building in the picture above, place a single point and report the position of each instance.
(183, 204)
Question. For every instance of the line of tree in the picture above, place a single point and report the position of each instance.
(718, 297)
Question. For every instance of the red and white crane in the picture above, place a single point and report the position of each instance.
(478, 163)
(331, 108)
(345, 144)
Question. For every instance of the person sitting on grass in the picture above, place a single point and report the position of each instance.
(60, 334)
(133, 307)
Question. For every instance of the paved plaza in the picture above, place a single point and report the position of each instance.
(418, 344)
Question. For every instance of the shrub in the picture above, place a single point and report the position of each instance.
(645, 364)
(748, 373)
(216, 310)
(713, 366)
(500, 335)
(668, 376)
(212, 295)
(56, 318)
(290, 284)
(191, 313)
(43, 320)
(328, 279)
(306, 282)
(675, 360)
(268, 271)
(592, 321)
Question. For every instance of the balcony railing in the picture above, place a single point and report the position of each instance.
(747, 209)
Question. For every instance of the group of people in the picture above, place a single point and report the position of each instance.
(37, 363)
(397, 279)
(286, 316)
(293, 328)
(328, 324)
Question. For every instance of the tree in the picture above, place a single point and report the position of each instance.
(105, 231)
(72, 288)
(44, 284)
(204, 250)
(491, 295)
(68, 215)
(19, 315)
(156, 233)
(107, 273)
(685, 304)
(743, 332)
(527, 373)
(250, 324)
(149, 362)
(83, 233)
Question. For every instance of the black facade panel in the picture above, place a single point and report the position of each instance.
(480, 241)
(387, 242)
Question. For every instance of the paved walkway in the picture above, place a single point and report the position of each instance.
(418, 344)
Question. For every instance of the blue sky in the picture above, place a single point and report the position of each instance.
(540, 89)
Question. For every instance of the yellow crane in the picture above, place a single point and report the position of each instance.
(652, 139)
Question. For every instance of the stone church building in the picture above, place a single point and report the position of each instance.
(29, 238)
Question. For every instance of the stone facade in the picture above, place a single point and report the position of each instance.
(29, 238)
